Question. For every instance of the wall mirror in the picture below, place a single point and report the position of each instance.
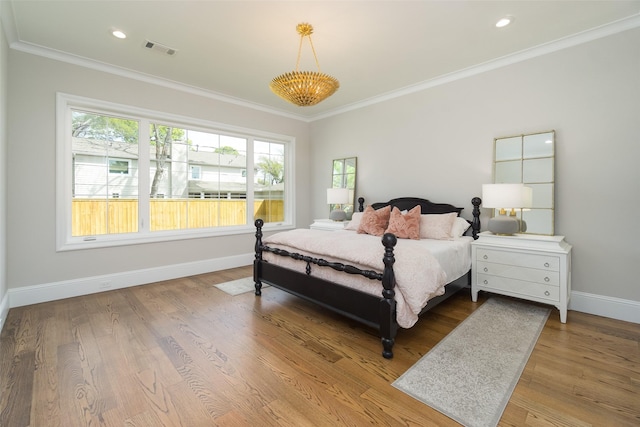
(529, 159)
(343, 175)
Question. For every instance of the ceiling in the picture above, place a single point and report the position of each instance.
(377, 49)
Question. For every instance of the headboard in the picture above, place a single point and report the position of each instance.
(408, 203)
(427, 207)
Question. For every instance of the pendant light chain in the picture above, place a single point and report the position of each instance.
(305, 30)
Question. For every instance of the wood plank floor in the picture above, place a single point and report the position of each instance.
(183, 353)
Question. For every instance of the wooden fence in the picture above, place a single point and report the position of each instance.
(91, 217)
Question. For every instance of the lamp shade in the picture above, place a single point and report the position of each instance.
(506, 196)
(337, 196)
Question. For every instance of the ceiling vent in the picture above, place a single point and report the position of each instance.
(160, 48)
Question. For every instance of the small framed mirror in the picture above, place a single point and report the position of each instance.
(529, 159)
(343, 175)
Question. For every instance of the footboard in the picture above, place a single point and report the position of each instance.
(371, 310)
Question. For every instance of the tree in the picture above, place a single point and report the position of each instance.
(162, 137)
(226, 150)
(106, 128)
(272, 171)
(92, 126)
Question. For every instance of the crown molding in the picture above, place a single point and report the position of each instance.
(57, 55)
(540, 50)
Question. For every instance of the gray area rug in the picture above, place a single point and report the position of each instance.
(470, 375)
(240, 286)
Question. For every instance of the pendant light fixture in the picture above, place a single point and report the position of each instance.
(304, 88)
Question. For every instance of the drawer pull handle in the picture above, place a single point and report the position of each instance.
(485, 257)
(547, 293)
(486, 282)
(486, 269)
(546, 279)
(546, 264)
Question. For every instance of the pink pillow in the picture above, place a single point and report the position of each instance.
(437, 226)
(405, 226)
(374, 221)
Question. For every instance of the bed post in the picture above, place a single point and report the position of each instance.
(475, 224)
(258, 259)
(360, 204)
(388, 324)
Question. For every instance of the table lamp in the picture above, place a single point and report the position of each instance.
(336, 197)
(505, 197)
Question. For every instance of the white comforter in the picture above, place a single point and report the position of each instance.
(419, 275)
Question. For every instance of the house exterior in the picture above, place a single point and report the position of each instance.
(193, 172)
(435, 142)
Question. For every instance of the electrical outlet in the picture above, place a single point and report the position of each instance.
(105, 285)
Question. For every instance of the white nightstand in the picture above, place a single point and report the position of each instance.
(527, 266)
(328, 225)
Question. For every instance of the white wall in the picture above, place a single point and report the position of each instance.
(32, 258)
(4, 300)
(438, 144)
(435, 144)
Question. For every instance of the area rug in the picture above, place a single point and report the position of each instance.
(240, 286)
(470, 375)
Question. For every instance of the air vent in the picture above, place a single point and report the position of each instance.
(160, 48)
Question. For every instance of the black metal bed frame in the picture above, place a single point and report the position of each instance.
(374, 311)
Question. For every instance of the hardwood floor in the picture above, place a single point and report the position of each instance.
(183, 353)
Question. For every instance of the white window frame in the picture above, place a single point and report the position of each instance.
(64, 171)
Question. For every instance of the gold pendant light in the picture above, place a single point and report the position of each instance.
(304, 88)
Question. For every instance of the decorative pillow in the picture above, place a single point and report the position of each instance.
(405, 226)
(460, 226)
(355, 221)
(374, 221)
(437, 226)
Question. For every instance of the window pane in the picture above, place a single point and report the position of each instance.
(105, 178)
(269, 181)
(215, 196)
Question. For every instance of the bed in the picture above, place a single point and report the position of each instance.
(337, 269)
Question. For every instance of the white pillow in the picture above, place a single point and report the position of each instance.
(437, 226)
(460, 226)
(355, 221)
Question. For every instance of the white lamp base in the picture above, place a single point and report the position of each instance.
(504, 225)
(338, 215)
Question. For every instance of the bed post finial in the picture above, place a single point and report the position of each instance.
(360, 204)
(475, 224)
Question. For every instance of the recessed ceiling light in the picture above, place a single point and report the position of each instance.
(503, 22)
(119, 34)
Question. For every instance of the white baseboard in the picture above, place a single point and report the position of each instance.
(89, 285)
(614, 308)
(4, 310)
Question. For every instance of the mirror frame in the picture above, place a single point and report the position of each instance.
(529, 159)
(343, 175)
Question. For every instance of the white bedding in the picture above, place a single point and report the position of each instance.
(422, 267)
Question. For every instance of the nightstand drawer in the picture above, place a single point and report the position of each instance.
(544, 277)
(520, 287)
(543, 262)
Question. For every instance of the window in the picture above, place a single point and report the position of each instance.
(120, 167)
(195, 172)
(128, 175)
